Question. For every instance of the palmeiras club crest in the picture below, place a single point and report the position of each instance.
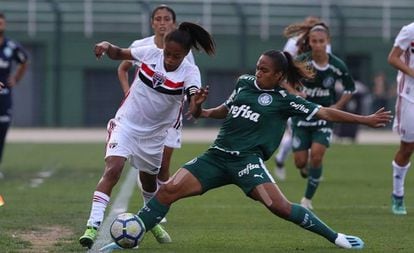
(158, 79)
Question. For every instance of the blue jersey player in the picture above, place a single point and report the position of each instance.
(10, 52)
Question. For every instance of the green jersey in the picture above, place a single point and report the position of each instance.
(257, 118)
(321, 89)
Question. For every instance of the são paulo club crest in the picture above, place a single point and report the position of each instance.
(265, 99)
(158, 79)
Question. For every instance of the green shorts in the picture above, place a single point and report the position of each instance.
(216, 168)
(303, 137)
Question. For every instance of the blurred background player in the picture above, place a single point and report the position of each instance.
(401, 57)
(296, 34)
(10, 52)
(163, 20)
(153, 104)
(312, 137)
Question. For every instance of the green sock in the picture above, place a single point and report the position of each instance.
(152, 213)
(309, 221)
(313, 181)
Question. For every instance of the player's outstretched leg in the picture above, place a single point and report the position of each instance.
(88, 238)
(349, 242)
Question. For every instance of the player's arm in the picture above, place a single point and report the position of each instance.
(395, 61)
(18, 74)
(123, 77)
(197, 99)
(219, 112)
(375, 120)
(114, 52)
(1, 86)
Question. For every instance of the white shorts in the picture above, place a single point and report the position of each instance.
(173, 139)
(144, 153)
(404, 119)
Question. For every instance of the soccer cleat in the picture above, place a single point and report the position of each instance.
(306, 203)
(349, 242)
(88, 238)
(280, 171)
(160, 234)
(110, 247)
(398, 206)
(164, 220)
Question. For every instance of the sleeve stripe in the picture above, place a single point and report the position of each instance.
(313, 113)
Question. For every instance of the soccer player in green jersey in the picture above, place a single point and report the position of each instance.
(255, 119)
(312, 137)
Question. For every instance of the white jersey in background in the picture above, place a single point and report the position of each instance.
(292, 48)
(153, 103)
(405, 41)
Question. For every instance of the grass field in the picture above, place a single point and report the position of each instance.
(48, 189)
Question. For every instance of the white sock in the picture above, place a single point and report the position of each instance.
(159, 183)
(99, 203)
(147, 196)
(284, 148)
(399, 173)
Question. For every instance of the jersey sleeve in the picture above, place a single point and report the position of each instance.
(19, 54)
(192, 81)
(404, 37)
(229, 102)
(347, 80)
(297, 106)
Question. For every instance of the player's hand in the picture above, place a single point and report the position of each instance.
(2, 86)
(11, 82)
(380, 118)
(200, 95)
(101, 48)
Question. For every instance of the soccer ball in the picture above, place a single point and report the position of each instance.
(127, 230)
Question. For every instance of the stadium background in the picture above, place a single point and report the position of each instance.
(67, 87)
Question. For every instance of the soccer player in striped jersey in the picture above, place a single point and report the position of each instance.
(163, 20)
(255, 117)
(401, 57)
(152, 105)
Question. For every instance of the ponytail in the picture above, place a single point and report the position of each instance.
(191, 35)
(296, 71)
(292, 71)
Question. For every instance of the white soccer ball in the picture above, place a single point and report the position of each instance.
(127, 230)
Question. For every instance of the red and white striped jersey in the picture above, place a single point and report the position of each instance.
(405, 41)
(153, 103)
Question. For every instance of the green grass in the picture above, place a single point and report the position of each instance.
(353, 198)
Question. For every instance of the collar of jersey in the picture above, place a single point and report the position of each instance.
(257, 86)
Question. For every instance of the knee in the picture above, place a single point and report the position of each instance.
(281, 209)
(300, 162)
